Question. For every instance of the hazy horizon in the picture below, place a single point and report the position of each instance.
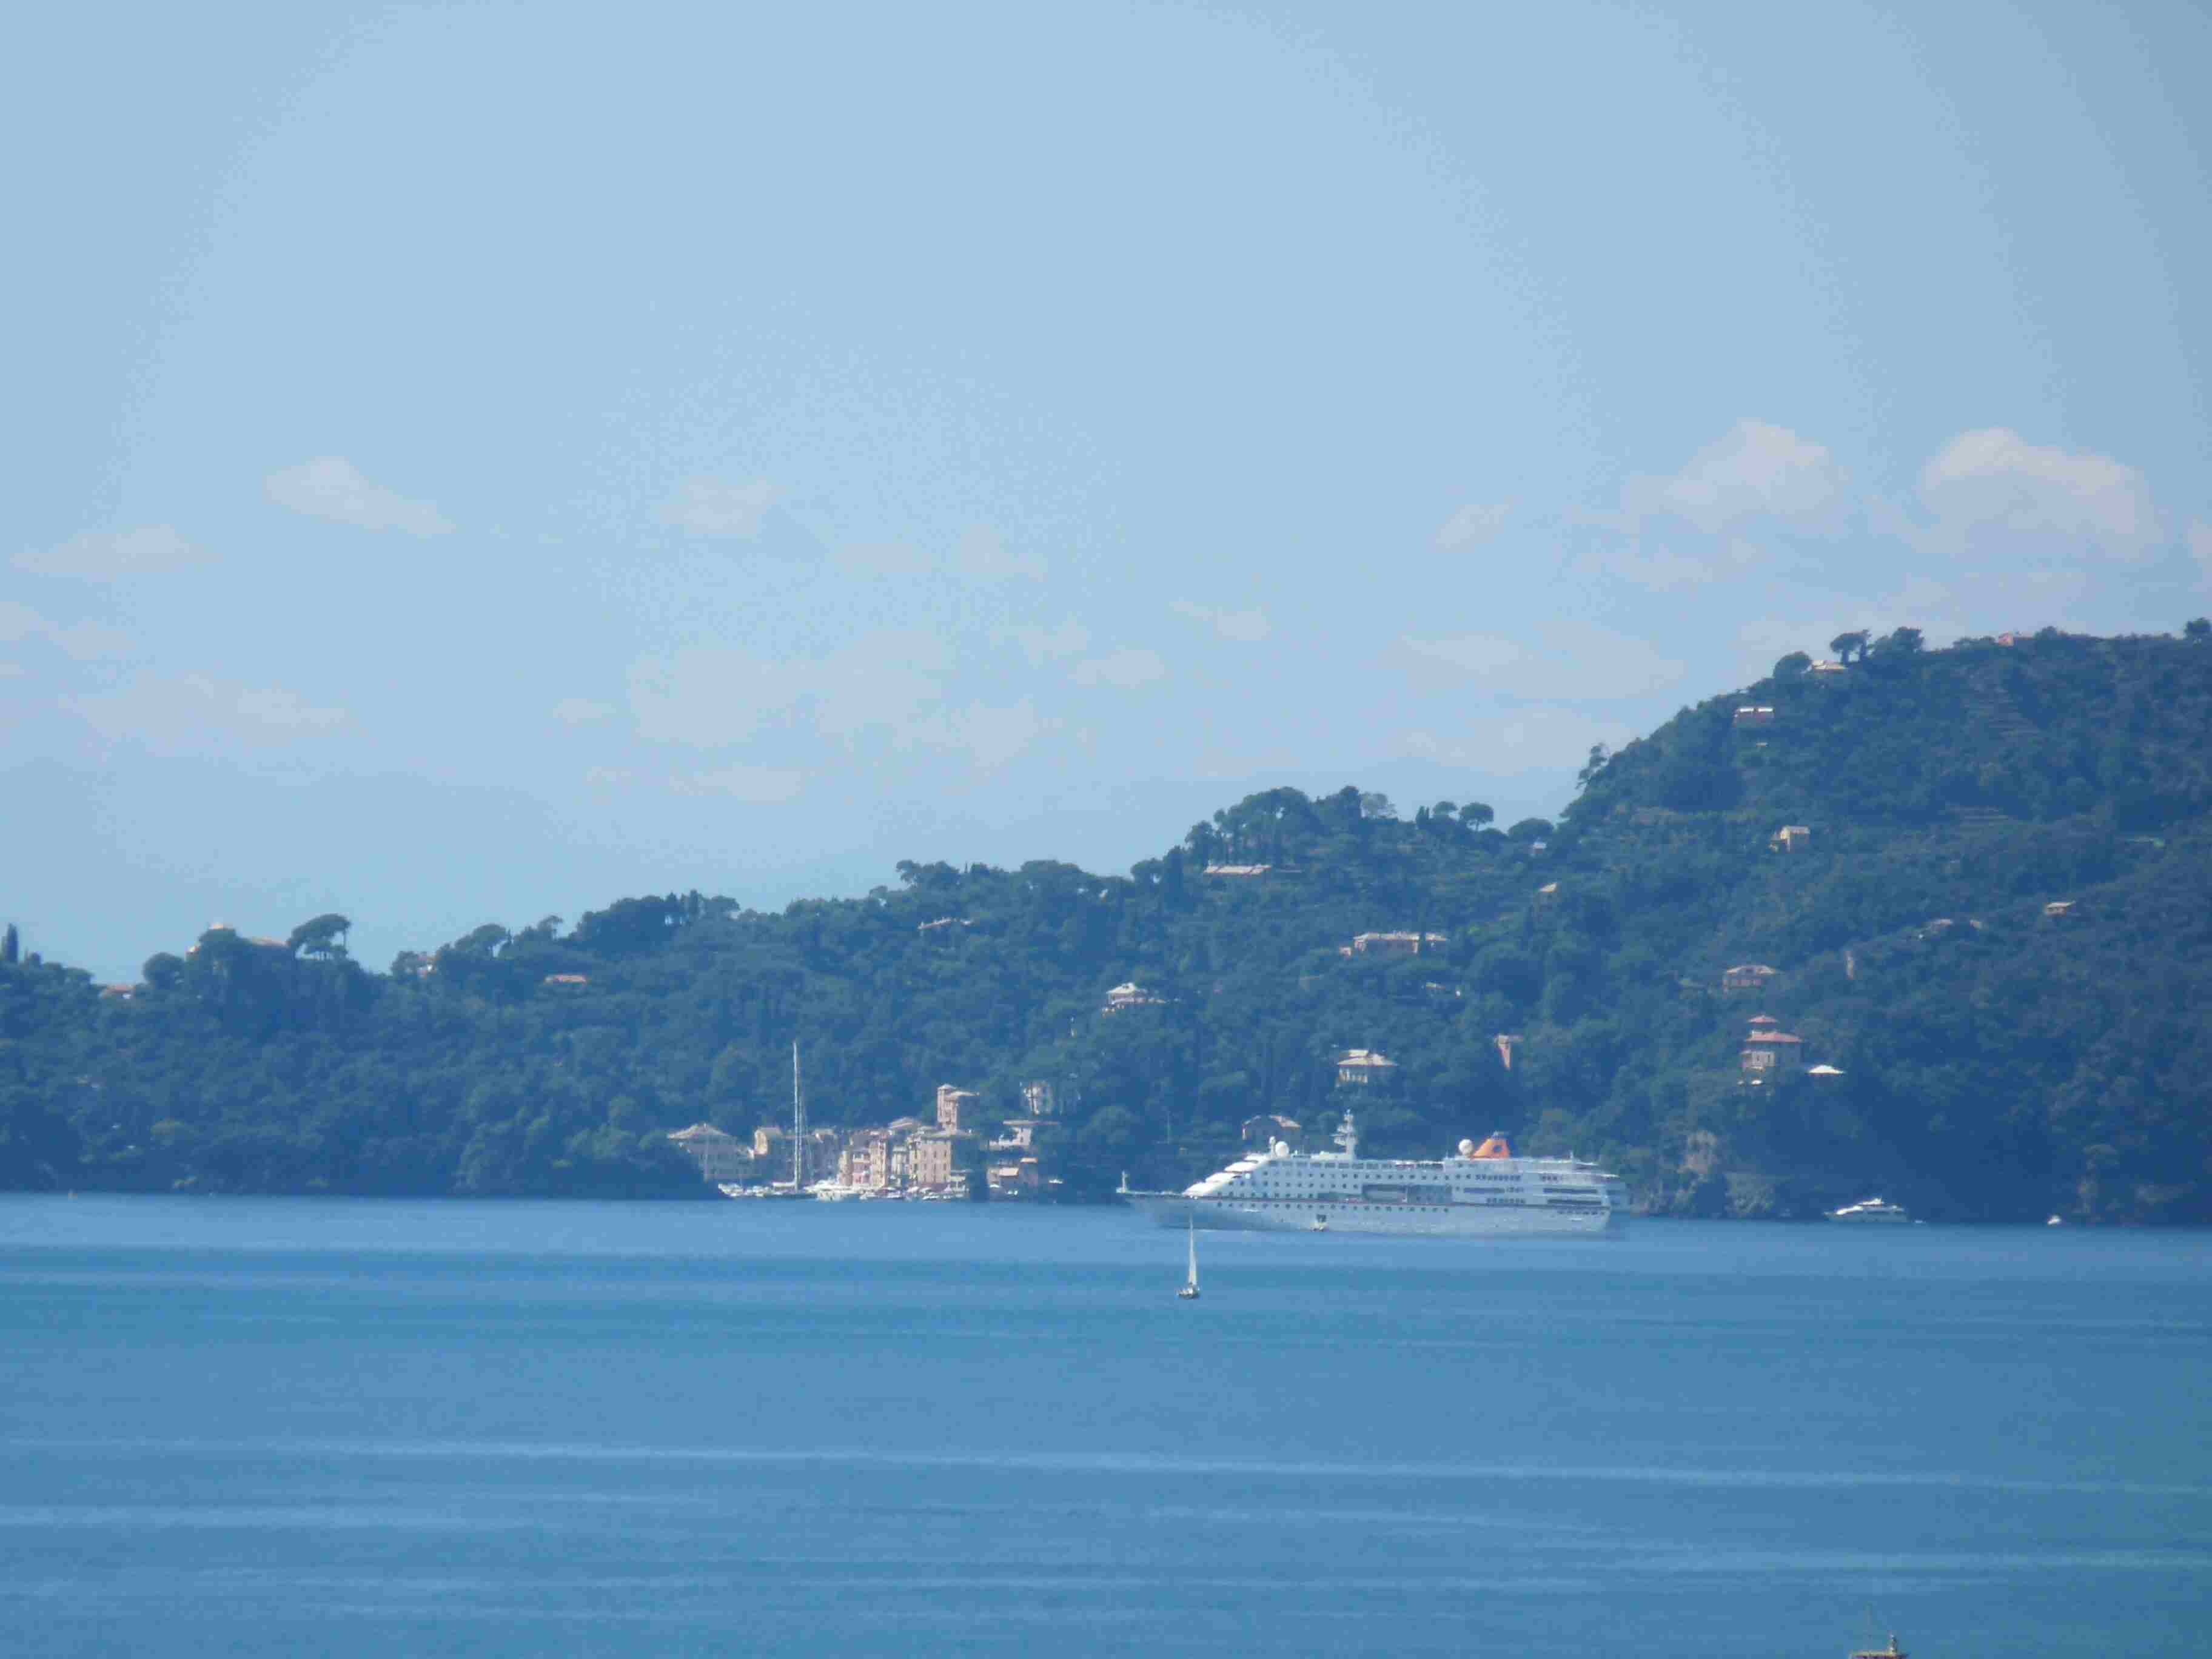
(478, 462)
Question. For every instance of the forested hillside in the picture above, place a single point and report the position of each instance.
(1986, 1054)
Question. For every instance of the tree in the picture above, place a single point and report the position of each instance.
(2196, 628)
(1902, 642)
(1795, 666)
(323, 937)
(1530, 830)
(1850, 645)
(1599, 754)
(2008, 1065)
(163, 971)
(11, 947)
(1475, 814)
(1205, 843)
(488, 940)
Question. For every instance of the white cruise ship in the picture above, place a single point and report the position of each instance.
(1485, 1191)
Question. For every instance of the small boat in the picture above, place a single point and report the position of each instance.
(1320, 1224)
(1892, 1651)
(2056, 1221)
(1871, 1209)
(1189, 1290)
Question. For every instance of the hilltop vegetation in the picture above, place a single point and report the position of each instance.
(1995, 1062)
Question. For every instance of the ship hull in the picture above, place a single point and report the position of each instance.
(1233, 1214)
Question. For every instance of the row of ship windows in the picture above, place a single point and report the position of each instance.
(1547, 1202)
(1563, 1194)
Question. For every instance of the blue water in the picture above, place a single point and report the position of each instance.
(247, 1427)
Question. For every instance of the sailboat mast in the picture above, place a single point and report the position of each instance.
(798, 1125)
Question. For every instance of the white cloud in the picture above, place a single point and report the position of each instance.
(80, 642)
(1754, 470)
(2200, 549)
(91, 642)
(1663, 569)
(1547, 738)
(271, 708)
(1041, 645)
(1124, 671)
(706, 696)
(1563, 660)
(607, 777)
(1478, 654)
(886, 679)
(194, 713)
(715, 506)
(1248, 627)
(881, 559)
(988, 734)
(580, 711)
(885, 690)
(1472, 525)
(332, 487)
(12, 670)
(715, 697)
(760, 786)
(1993, 482)
(104, 556)
(982, 553)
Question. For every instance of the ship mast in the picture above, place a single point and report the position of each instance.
(798, 1124)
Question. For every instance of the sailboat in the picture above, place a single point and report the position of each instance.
(1189, 1290)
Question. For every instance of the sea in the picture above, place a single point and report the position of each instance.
(264, 1426)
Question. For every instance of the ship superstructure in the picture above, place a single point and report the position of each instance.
(1484, 1190)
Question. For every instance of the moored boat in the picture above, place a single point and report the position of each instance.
(1871, 1209)
(1483, 1191)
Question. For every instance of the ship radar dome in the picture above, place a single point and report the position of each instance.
(1467, 1149)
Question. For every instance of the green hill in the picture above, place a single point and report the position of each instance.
(1986, 1058)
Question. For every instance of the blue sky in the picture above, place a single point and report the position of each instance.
(479, 461)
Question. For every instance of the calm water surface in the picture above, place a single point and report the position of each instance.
(255, 1427)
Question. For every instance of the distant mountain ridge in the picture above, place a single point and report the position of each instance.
(1990, 930)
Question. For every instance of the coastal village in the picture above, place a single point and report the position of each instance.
(962, 1153)
(954, 1156)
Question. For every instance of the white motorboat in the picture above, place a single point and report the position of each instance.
(1485, 1191)
(1871, 1209)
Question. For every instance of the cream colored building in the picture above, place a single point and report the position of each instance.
(1397, 945)
(1365, 1068)
(719, 1157)
(956, 1107)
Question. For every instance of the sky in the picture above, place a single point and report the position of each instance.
(477, 462)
